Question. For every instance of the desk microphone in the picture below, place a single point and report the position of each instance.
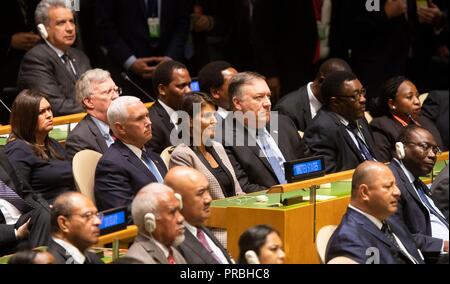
(125, 76)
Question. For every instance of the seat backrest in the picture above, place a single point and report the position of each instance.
(166, 154)
(323, 236)
(83, 166)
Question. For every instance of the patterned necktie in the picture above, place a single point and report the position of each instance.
(363, 148)
(202, 238)
(170, 258)
(386, 229)
(65, 57)
(9, 195)
(152, 167)
(422, 190)
(273, 158)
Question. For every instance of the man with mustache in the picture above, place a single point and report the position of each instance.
(366, 235)
(415, 156)
(53, 66)
(339, 131)
(75, 227)
(156, 213)
(200, 246)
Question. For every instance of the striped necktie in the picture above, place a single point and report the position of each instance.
(12, 197)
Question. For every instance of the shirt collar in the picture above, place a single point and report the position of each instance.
(74, 252)
(58, 51)
(191, 228)
(163, 248)
(135, 150)
(103, 127)
(344, 121)
(172, 113)
(222, 112)
(312, 98)
(408, 174)
(373, 219)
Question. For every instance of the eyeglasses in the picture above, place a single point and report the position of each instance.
(425, 147)
(89, 216)
(357, 95)
(112, 91)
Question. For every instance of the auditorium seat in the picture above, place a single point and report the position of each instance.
(83, 166)
(323, 236)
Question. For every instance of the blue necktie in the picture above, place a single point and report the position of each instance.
(364, 149)
(420, 186)
(12, 197)
(273, 158)
(152, 167)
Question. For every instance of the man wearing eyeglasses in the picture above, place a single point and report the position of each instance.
(95, 90)
(75, 227)
(339, 131)
(416, 155)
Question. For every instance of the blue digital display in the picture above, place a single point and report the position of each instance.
(307, 167)
(113, 219)
(195, 86)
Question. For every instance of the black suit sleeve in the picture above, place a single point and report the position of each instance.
(318, 143)
(7, 236)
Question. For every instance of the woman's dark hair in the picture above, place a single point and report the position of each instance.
(388, 92)
(23, 257)
(253, 239)
(24, 120)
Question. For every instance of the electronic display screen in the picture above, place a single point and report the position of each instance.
(113, 219)
(307, 167)
(195, 86)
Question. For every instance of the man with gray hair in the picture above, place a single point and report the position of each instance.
(53, 66)
(256, 154)
(156, 213)
(95, 90)
(127, 165)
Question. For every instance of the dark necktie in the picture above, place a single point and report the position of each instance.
(12, 197)
(386, 229)
(170, 258)
(65, 57)
(422, 191)
(202, 238)
(363, 148)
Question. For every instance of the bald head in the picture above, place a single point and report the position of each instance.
(194, 188)
(365, 173)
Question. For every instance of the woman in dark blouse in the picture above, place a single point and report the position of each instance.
(400, 105)
(37, 157)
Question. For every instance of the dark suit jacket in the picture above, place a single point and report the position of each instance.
(63, 257)
(254, 172)
(86, 135)
(386, 130)
(357, 234)
(413, 213)
(161, 128)
(145, 250)
(327, 136)
(439, 190)
(120, 175)
(195, 253)
(43, 70)
(296, 106)
(435, 108)
(285, 38)
(123, 30)
(46, 178)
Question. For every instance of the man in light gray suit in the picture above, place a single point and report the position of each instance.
(53, 66)
(156, 213)
(95, 91)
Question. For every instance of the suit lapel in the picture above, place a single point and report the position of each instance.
(216, 242)
(306, 106)
(156, 160)
(134, 160)
(96, 132)
(165, 118)
(369, 227)
(367, 136)
(408, 184)
(349, 139)
(197, 248)
(60, 65)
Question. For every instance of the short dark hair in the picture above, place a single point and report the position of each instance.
(333, 85)
(405, 135)
(253, 239)
(210, 76)
(333, 65)
(163, 73)
(188, 101)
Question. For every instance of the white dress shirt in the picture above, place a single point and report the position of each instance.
(74, 252)
(172, 114)
(314, 103)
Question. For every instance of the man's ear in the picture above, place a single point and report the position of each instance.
(121, 130)
(215, 93)
(364, 192)
(161, 90)
(87, 101)
(63, 224)
(236, 103)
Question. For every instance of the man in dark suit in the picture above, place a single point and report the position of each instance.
(53, 66)
(365, 234)
(435, 108)
(95, 90)
(439, 191)
(340, 132)
(156, 213)
(139, 35)
(127, 165)
(256, 154)
(199, 246)
(416, 153)
(75, 228)
(21, 220)
(302, 105)
(171, 81)
(285, 41)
